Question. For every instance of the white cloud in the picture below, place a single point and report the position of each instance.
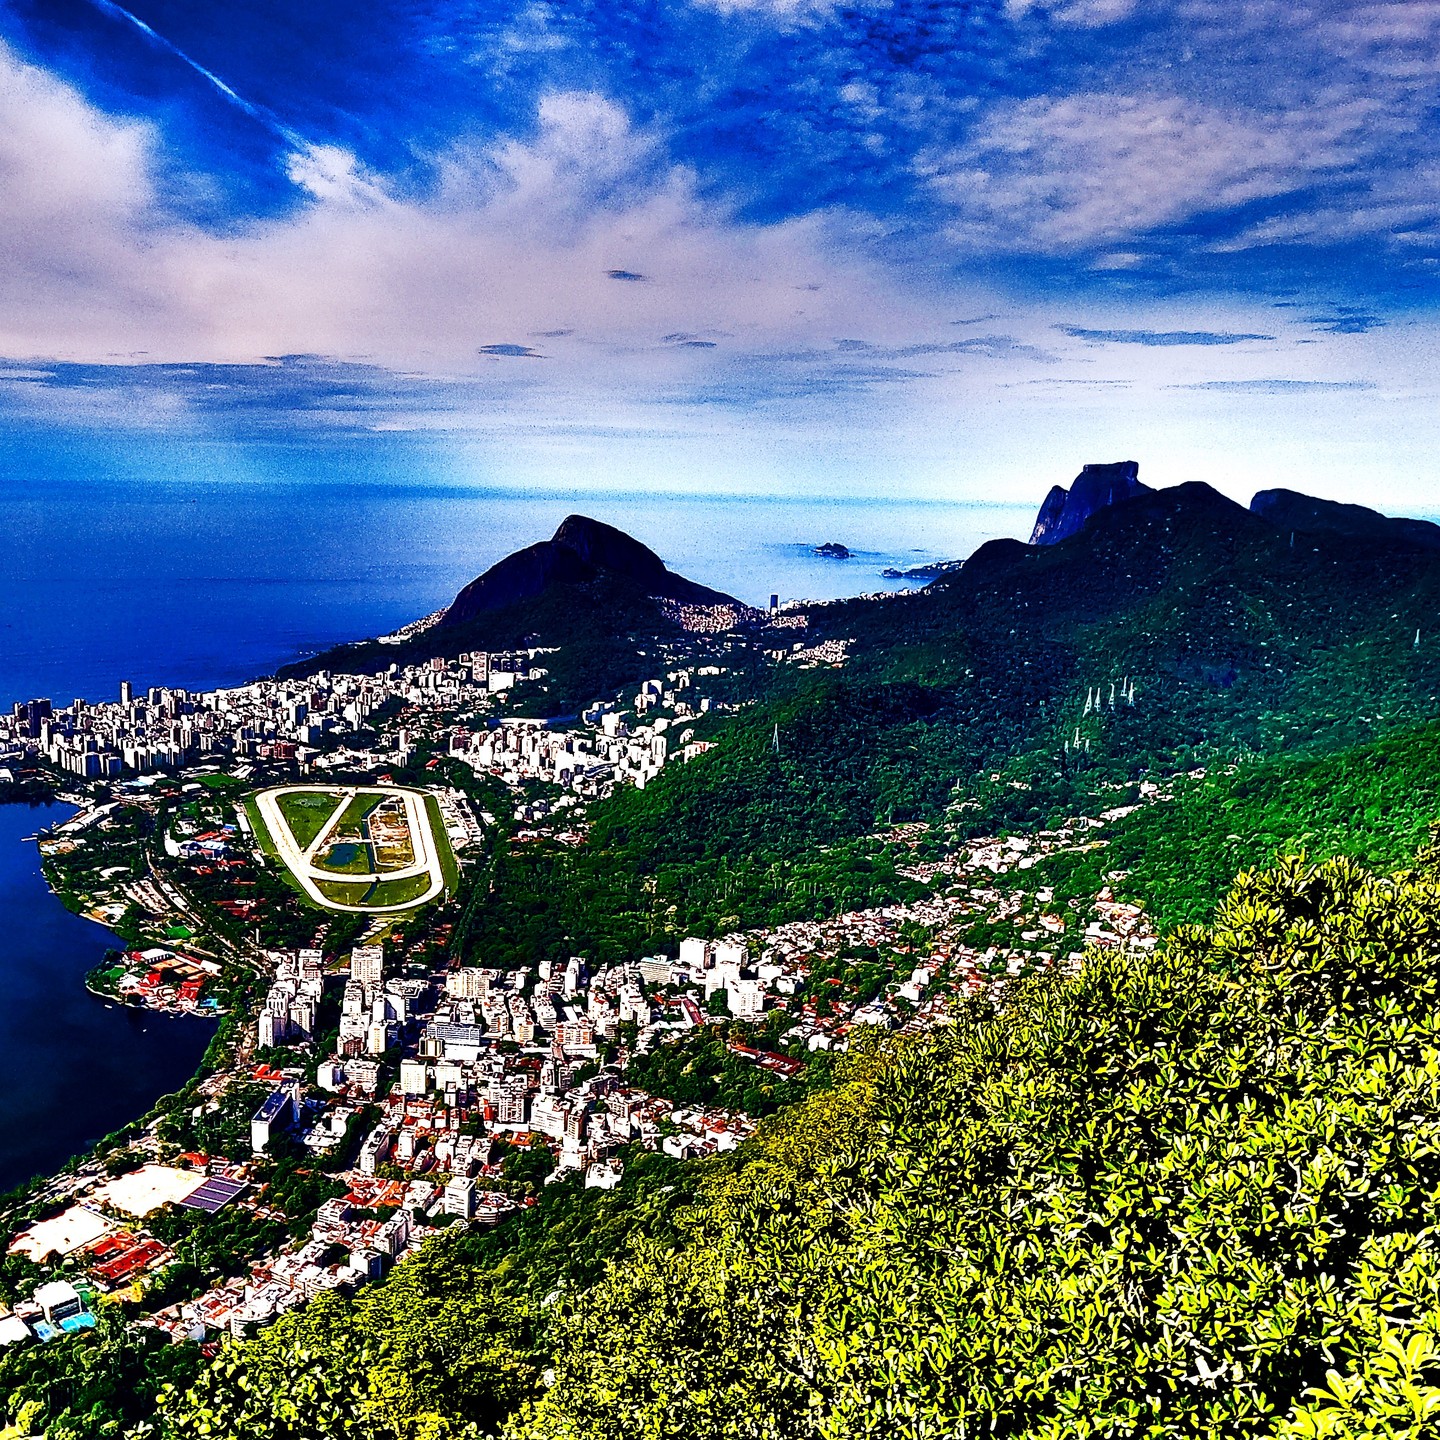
(329, 173)
(1088, 14)
(515, 248)
(1404, 209)
(784, 12)
(1067, 173)
(76, 218)
(519, 239)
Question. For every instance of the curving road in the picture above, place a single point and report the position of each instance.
(301, 862)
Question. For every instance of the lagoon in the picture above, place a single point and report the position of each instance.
(72, 1067)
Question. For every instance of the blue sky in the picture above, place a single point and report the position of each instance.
(928, 247)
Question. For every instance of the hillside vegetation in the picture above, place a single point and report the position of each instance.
(1181, 1194)
(1372, 802)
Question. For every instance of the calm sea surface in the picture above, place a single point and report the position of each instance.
(200, 585)
(206, 585)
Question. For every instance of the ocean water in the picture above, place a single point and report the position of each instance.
(202, 584)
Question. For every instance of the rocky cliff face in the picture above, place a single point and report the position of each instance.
(1065, 512)
(1292, 511)
(578, 552)
(1098, 487)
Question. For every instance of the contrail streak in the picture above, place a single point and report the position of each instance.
(256, 112)
(304, 151)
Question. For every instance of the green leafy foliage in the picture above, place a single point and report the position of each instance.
(1372, 802)
(1168, 1196)
(622, 897)
(699, 1069)
(448, 1346)
(94, 1385)
(435, 1354)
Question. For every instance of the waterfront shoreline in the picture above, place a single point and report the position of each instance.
(100, 1066)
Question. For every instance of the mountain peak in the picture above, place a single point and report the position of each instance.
(580, 550)
(1096, 487)
(607, 548)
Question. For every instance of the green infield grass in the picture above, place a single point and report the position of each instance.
(398, 892)
(343, 894)
(358, 810)
(306, 812)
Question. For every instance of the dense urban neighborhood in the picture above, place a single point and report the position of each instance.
(366, 1090)
(339, 722)
(413, 1097)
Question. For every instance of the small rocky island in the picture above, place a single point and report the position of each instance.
(833, 550)
(922, 572)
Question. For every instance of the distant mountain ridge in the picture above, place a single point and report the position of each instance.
(1064, 513)
(1291, 510)
(1180, 566)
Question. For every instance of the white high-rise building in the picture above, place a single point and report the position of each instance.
(746, 998)
(548, 1114)
(460, 1197)
(470, 982)
(367, 965)
(573, 972)
(694, 954)
(510, 1099)
(725, 972)
(728, 953)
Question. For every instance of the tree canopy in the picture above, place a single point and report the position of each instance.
(1184, 1193)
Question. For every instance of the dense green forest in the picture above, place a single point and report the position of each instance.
(1372, 802)
(1180, 1194)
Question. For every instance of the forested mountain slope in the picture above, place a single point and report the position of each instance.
(1175, 629)
(1373, 802)
(1181, 1194)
